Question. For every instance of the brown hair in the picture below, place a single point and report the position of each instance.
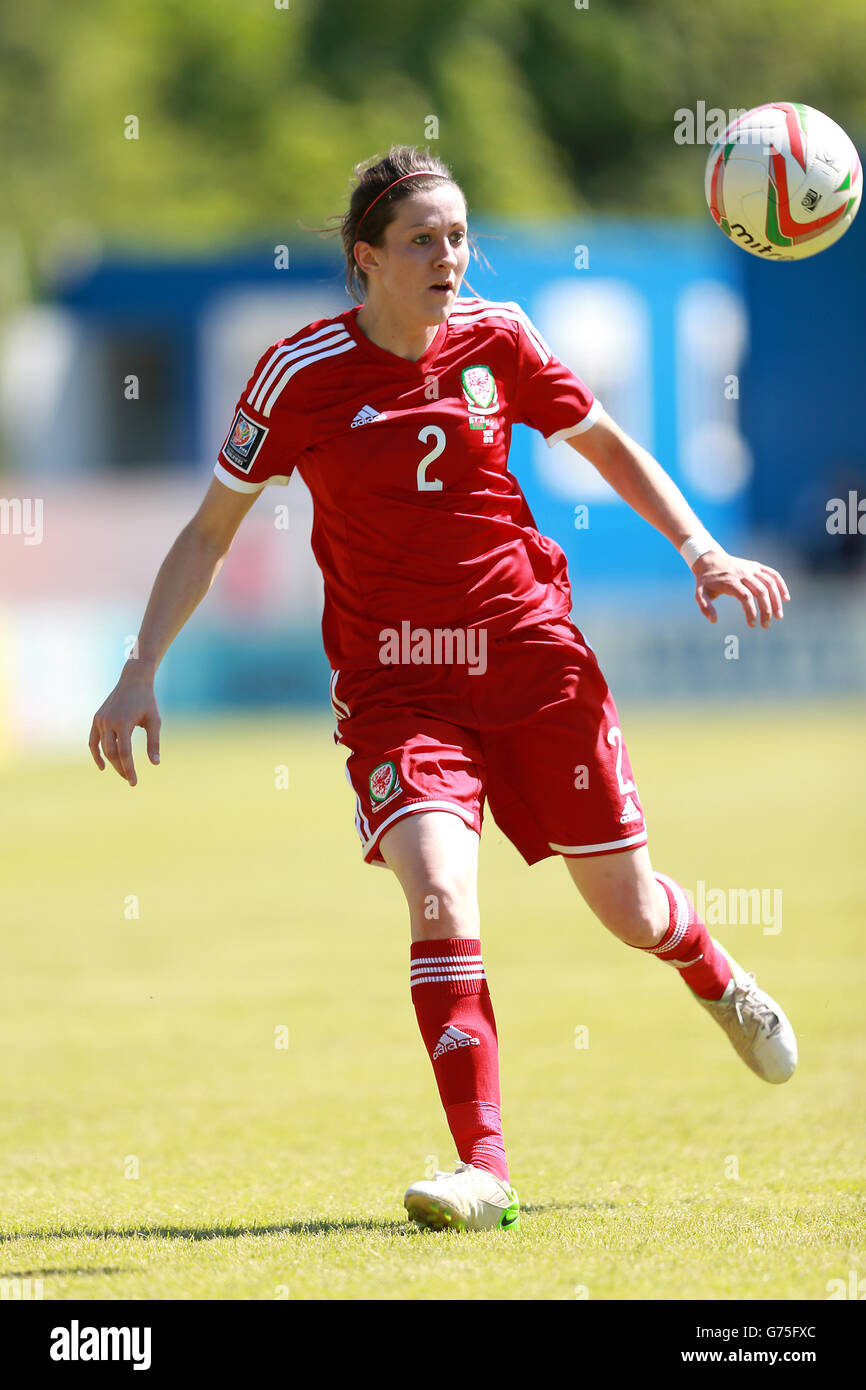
(373, 177)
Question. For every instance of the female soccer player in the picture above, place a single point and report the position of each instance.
(457, 675)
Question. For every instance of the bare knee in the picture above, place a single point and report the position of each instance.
(435, 857)
(634, 921)
(442, 908)
(625, 896)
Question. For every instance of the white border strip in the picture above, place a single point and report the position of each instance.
(413, 806)
(340, 708)
(235, 483)
(639, 839)
(589, 419)
(474, 959)
(422, 979)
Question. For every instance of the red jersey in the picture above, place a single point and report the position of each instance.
(416, 517)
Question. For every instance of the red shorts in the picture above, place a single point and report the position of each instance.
(533, 730)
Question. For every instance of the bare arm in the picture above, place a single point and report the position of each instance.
(185, 576)
(641, 481)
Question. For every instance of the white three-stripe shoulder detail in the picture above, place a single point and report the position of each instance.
(290, 358)
(309, 343)
(296, 367)
(476, 311)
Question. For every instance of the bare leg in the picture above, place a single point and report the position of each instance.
(435, 856)
(624, 894)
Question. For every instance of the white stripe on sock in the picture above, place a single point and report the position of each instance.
(682, 918)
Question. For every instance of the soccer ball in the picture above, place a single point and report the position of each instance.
(783, 181)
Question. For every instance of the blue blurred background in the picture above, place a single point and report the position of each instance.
(132, 318)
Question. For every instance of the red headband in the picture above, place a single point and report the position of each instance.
(416, 174)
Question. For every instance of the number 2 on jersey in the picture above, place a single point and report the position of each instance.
(614, 737)
(426, 484)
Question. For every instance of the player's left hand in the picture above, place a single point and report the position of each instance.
(760, 589)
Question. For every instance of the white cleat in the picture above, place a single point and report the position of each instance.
(755, 1024)
(469, 1199)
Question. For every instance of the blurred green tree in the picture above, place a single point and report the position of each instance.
(251, 113)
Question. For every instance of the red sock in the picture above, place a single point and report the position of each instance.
(455, 1015)
(687, 944)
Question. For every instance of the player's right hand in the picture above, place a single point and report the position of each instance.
(131, 704)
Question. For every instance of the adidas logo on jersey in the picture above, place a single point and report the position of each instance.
(453, 1038)
(365, 415)
(629, 812)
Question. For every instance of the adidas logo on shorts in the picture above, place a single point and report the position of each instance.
(453, 1038)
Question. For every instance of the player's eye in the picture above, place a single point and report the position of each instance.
(422, 239)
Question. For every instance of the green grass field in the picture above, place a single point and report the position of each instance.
(651, 1164)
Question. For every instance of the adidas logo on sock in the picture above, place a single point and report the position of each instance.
(453, 1038)
(682, 964)
(365, 415)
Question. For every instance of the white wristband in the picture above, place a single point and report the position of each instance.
(696, 546)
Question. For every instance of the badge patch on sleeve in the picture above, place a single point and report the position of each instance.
(244, 441)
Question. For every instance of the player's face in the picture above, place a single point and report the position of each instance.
(425, 255)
